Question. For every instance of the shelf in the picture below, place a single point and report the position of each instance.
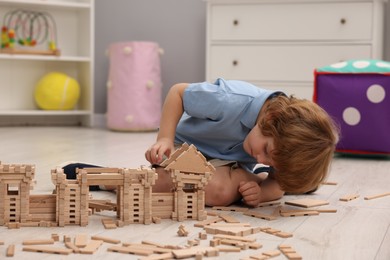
(46, 3)
(43, 112)
(45, 57)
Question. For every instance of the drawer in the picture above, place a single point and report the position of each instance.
(302, 21)
(278, 62)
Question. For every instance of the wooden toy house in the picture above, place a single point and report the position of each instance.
(15, 184)
(190, 173)
(135, 202)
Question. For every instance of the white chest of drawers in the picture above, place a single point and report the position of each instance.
(277, 44)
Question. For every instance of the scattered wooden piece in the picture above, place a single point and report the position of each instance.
(289, 252)
(296, 213)
(272, 253)
(38, 242)
(269, 203)
(182, 232)
(130, 250)
(326, 210)
(206, 222)
(255, 214)
(329, 183)
(109, 223)
(234, 209)
(10, 251)
(48, 249)
(106, 239)
(377, 196)
(71, 246)
(81, 240)
(283, 234)
(307, 203)
(91, 247)
(229, 219)
(349, 197)
(162, 256)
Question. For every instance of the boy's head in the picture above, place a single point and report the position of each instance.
(304, 139)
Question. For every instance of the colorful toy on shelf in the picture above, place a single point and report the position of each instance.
(28, 28)
(57, 91)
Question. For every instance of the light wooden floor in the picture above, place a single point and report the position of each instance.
(359, 230)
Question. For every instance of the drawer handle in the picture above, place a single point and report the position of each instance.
(235, 63)
(343, 21)
(235, 22)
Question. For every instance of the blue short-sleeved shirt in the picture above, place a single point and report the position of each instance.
(217, 118)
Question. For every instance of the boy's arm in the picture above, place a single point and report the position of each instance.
(254, 192)
(171, 114)
(270, 189)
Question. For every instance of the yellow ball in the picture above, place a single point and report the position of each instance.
(57, 91)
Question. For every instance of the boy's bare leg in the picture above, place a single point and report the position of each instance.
(164, 181)
(222, 190)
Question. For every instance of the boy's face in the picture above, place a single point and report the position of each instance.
(259, 146)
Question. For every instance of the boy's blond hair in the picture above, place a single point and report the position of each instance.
(304, 142)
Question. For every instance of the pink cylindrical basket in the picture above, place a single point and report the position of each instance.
(134, 86)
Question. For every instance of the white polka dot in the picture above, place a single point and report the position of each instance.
(351, 116)
(361, 64)
(376, 93)
(382, 64)
(339, 65)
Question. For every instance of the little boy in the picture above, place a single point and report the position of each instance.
(237, 125)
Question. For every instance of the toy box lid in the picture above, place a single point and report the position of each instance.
(357, 66)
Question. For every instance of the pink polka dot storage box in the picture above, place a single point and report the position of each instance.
(134, 86)
(356, 93)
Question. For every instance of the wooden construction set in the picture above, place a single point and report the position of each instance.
(136, 203)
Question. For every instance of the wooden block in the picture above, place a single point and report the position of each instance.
(272, 253)
(55, 237)
(48, 249)
(329, 183)
(229, 249)
(238, 238)
(283, 234)
(295, 213)
(293, 256)
(129, 250)
(106, 239)
(91, 247)
(38, 242)
(326, 210)
(234, 209)
(307, 203)
(377, 196)
(71, 246)
(208, 222)
(349, 197)
(162, 256)
(10, 251)
(252, 213)
(81, 240)
(109, 223)
(229, 219)
(259, 257)
(269, 203)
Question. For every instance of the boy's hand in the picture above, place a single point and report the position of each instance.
(156, 152)
(250, 192)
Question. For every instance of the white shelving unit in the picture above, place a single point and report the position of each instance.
(20, 73)
(277, 44)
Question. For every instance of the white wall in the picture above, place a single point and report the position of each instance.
(179, 26)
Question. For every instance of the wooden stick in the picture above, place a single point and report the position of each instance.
(377, 196)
